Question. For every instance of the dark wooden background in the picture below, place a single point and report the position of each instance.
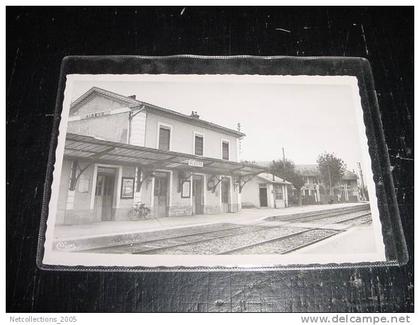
(38, 39)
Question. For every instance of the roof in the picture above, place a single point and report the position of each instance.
(136, 104)
(349, 176)
(312, 170)
(269, 178)
(92, 149)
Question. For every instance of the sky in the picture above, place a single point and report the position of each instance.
(306, 119)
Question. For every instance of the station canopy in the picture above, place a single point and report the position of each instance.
(86, 148)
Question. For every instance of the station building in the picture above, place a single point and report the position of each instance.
(120, 151)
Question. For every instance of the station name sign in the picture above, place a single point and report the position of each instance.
(195, 163)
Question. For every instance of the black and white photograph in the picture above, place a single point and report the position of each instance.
(212, 170)
(255, 160)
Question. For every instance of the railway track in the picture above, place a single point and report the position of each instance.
(284, 244)
(293, 242)
(229, 239)
(339, 219)
(142, 242)
(159, 245)
(217, 245)
(365, 218)
(288, 244)
(320, 215)
(316, 214)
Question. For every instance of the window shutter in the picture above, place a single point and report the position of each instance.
(225, 150)
(199, 145)
(164, 138)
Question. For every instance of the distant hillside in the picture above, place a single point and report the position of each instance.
(264, 163)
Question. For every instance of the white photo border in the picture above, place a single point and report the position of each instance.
(53, 257)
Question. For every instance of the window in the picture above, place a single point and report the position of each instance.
(164, 138)
(278, 192)
(198, 145)
(225, 150)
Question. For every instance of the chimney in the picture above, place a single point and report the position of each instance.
(132, 96)
(194, 115)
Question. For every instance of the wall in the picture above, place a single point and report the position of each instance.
(235, 199)
(81, 212)
(121, 213)
(179, 206)
(146, 193)
(96, 103)
(270, 195)
(213, 200)
(281, 203)
(116, 127)
(138, 128)
(250, 194)
(182, 137)
(63, 189)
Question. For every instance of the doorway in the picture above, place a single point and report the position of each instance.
(104, 193)
(198, 194)
(161, 194)
(263, 197)
(225, 195)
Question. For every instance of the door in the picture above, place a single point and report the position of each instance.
(225, 195)
(279, 201)
(161, 194)
(104, 194)
(263, 197)
(198, 195)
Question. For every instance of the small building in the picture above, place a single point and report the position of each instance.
(315, 192)
(349, 188)
(265, 190)
(120, 151)
(312, 189)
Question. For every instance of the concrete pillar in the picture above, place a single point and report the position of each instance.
(137, 195)
(270, 196)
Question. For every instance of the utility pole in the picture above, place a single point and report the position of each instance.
(284, 157)
(362, 181)
(329, 176)
(238, 127)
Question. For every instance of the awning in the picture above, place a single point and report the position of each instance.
(86, 148)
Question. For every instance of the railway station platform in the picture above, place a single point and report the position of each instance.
(121, 228)
(357, 240)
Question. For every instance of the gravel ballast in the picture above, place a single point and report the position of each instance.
(283, 246)
(220, 245)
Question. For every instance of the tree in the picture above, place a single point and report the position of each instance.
(331, 169)
(286, 170)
